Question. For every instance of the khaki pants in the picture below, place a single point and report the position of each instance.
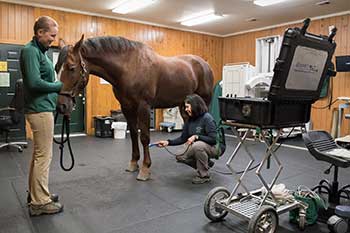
(42, 125)
(201, 152)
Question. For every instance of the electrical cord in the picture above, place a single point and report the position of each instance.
(327, 106)
(281, 142)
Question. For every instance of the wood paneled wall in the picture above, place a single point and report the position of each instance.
(17, 21)
(241, 48)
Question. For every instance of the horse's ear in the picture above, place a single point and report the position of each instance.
(61, 43)
(78, 44)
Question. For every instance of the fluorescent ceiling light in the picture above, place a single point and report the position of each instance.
(126, 6)
(267, 2)
(199, 18)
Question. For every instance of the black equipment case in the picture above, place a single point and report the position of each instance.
(299, 72)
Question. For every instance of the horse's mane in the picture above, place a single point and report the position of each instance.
(109, 44)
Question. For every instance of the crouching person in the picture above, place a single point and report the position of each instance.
(199, 132)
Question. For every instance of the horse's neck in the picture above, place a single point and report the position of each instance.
(100, 69)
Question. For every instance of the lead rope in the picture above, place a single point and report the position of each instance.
(65, 125)
(188, 147)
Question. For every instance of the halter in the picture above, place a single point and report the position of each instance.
(83, 73)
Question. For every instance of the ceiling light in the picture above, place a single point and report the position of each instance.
(267, 2)
(126, 6)
(200, 18)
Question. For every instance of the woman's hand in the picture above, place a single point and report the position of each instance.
(162, 143)
(191, 139)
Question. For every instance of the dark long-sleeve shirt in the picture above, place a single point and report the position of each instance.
(204, 126)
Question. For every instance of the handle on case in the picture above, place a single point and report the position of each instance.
(305, 26)
(332, 34)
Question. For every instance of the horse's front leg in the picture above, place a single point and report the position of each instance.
(131, 118)
(144, 124)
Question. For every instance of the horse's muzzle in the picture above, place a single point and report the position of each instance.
(65, 105)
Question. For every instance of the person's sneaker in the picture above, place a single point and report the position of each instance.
(49, 208)
(53, 197)
(200, 180)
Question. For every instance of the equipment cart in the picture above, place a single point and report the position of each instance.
(260, 206)
(302, 66)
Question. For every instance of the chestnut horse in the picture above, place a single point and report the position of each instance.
(141, 80)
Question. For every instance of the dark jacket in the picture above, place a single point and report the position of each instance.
(204, 126)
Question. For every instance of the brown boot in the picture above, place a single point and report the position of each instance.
(49, 208)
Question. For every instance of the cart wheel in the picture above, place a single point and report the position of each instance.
(170, 129)
(215, 214)
(160, 128)
(264, 220)
(302, 222)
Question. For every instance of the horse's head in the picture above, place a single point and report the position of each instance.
(73, 73)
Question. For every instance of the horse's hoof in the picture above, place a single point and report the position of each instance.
(144, 174)
(132, 167)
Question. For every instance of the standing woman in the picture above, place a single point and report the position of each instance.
(40, 92)
(199, 132)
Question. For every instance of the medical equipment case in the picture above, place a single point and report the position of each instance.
(299, 73)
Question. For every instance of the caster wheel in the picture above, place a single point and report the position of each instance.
(337, 224)
(302, 222)
(160, 128)
(214, 213)
(170, 129)
(20, 150)
(264, 220)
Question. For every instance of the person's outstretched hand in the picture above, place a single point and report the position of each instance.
(162, 143)
(191, 139)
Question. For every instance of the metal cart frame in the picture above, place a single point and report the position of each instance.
(260, 208)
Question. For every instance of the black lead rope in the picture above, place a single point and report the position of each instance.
(65, 126)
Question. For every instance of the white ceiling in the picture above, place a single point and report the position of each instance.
(168, 12)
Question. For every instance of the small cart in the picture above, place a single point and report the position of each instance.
(259, 207)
